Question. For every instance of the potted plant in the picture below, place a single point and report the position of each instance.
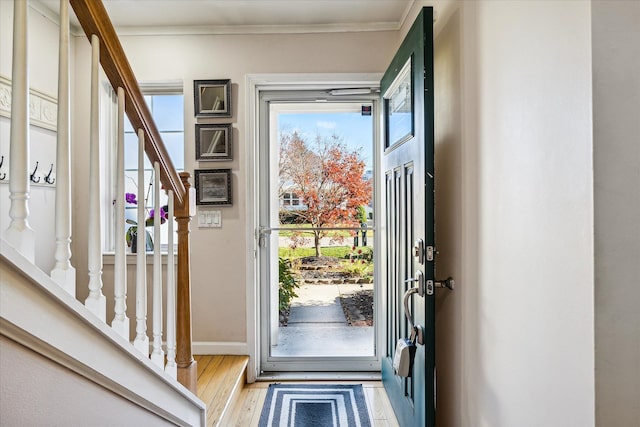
(132, 232)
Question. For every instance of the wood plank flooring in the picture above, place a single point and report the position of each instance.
(220, 377)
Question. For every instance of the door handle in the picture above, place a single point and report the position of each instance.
(415, 329)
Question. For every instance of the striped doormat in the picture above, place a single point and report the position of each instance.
(308, 405)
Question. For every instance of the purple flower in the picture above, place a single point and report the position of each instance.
(163, 214)
(131, 198)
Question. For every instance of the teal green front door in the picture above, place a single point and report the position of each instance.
(407, 91)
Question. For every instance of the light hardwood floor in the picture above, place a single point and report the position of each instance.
(222, 376)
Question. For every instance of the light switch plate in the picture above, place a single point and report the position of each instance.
(209, 219)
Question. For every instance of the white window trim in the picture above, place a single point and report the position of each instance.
(108, 154)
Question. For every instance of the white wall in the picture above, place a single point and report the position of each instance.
(36, 391)
(218, 255)
(42, 48)
(616, 137)
(449, 213)
(528, 317)
(514, 214)
(42, 37)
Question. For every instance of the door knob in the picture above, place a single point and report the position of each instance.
(448, 283)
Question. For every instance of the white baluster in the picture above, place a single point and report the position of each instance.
(141, 342)
(19, 234)
(157, 356)
(96, 302)
(171, 369)
(120, 321)
(63, 272)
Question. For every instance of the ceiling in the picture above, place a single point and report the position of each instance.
(248, 16)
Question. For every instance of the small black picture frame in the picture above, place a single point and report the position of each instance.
(213, 187)
(212, 98)
(214, 142)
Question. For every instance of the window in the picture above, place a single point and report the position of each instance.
(166, 104)
(290, 199)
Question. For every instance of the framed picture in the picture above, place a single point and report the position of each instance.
(213, 187)
(214, 142)
(212, 98)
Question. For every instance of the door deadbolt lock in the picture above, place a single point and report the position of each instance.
(418, 250)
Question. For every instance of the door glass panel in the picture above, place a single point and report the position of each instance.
(398, 105)
(321, 230)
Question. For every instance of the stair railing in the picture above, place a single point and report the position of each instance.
(107, 52)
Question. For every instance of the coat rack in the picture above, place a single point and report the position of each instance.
(3, 175)
(33, 175)
(48, 178)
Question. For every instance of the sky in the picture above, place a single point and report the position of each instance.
(355, 129)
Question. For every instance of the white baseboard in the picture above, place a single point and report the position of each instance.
(220, 347)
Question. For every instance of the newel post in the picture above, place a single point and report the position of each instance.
(187, 366)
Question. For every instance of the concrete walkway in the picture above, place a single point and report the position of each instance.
(318, 327)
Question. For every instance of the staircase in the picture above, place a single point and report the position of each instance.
(221, 380)
(62, 365)
(91, 370)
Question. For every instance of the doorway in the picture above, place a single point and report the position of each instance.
(317, 162)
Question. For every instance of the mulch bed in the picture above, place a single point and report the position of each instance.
(358, 307)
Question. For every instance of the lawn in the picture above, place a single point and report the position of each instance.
(332, 251)
(341, 252)
(335, 233)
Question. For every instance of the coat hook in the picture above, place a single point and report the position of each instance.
(48, 178)
(33, 175)
(4, 175)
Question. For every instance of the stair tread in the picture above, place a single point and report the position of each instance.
(219, 377)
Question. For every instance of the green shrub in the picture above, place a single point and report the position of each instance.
(287, 283)
(360, 252)
(362, 215)
(290, 217)
(356, 267)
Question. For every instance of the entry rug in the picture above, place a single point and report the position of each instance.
(308, 405)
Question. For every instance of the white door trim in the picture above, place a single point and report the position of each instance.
(254, 84)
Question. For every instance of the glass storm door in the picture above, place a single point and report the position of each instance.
(317, 163)
(408, 165)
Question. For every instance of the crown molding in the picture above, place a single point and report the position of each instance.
(76, 30)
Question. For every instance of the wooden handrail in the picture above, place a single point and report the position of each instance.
(94, 19)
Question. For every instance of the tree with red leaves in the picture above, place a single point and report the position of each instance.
(328, 178)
